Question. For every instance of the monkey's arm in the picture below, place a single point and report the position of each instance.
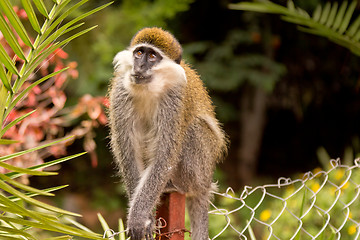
(125, 155)
(121, 142)
(157, 174)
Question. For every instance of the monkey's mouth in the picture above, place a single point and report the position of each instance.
(141, 79)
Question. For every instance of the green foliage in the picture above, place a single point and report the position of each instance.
(332, 194)
(332, 20)
(218, 59)
(23, 215)
(43, 45)
(224, 67)
(110, 234)
(323, 203)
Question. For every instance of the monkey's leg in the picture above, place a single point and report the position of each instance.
(198, 211)
(161, 167)
(196, 169)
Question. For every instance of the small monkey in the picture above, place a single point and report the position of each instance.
(164, 133)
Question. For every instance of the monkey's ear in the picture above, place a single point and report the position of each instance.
(122, 59)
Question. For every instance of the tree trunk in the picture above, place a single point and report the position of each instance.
(252, 121)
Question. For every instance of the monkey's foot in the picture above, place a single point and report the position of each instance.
(139, 229)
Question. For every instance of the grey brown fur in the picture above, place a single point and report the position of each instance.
(168, 141)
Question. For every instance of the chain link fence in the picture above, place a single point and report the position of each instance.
(322, 204)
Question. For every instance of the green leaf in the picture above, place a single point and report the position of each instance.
(47, 190)
(10, 209)
(45, 165)
(325, 13)
(340, 15)
(332, 15)
(104, 226)
(51, 226)
(5, 59)
(26, 170)
(329, 22)
(17, 232)
(76, 35)
(357, 36)
(3, 99)
(23, 186)
(13, 207)
(10, 238)
(251, 232)
(17, 154)
(345, 22)
(76, 224)
(28, 89)
(34, 202)
(354, 27)
(4, 79)
(303, 13)
(72, 22)
(41, 7)
(33, 64)
(8, 141)
(59, 238)
(6, 7)
(31, 15)
(290, 5)
(317, 13)
(10, 38)
(60, 19)
(13, 123)
(121, 230)
(266, 7)
(55, 35)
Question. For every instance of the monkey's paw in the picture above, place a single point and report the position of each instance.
(140, 228)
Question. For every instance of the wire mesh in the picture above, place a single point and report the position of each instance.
(322, 204)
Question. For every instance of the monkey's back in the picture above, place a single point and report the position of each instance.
(197, 100)
(199, 107)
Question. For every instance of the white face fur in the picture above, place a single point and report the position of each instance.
(164, 74)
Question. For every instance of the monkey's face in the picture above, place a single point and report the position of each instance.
(145, 58)
(146, 69)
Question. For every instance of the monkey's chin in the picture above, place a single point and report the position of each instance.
(136, 79)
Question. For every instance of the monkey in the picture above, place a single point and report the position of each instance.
(164, 134)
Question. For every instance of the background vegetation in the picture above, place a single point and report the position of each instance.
(283, 95)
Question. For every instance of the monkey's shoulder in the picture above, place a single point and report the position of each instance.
(197, 99)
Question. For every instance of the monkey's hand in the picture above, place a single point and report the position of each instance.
(140, 227)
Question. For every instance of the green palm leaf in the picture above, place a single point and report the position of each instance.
(17, 219)
(31, 15)
(42, 47)
(7, 9)
(41, 7)
(10, 38)
(329, 21)
(46, 221)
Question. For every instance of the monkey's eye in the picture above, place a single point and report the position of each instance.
(152, 57)
(139, 53)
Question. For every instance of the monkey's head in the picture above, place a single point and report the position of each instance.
(161, 39)
(153, 57)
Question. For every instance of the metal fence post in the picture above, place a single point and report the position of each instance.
(172, 210)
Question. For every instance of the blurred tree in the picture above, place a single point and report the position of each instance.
(250, 77)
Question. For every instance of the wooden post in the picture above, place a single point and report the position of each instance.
(172, 210)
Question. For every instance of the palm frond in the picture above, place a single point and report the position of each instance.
(11, 206)
(331, 20)
(44, 43)
(18, 219)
